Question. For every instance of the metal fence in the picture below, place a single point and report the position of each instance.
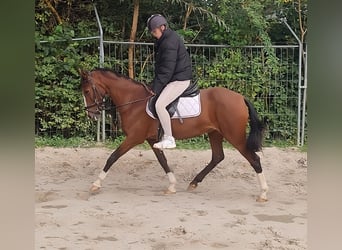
(242, 69)
(281, 96)
(278, 98)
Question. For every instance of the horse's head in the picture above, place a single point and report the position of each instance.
(93, 95)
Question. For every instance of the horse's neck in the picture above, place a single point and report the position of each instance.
(124, 90)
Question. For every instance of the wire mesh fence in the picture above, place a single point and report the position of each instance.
(270, 83)
(273, 88)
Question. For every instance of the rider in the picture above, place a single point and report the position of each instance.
(172, 73)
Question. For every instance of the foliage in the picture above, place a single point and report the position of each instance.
(59, 104)
(61, 142)
(234, 22)
(249, 74)
(196, 143)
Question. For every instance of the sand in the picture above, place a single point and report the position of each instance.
(131, 211)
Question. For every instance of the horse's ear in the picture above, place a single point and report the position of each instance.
(83, 73)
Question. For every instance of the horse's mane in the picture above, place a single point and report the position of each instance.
(117, 74)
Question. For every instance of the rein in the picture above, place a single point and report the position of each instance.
(135, 101)
(139, 100)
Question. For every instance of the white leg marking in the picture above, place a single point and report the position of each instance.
(173, 181)
(263, 185)
(97, 183)
(102, 176)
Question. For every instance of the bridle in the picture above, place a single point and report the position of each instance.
(101, 104)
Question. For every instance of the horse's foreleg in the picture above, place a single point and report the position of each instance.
(122, 149)
(163, 162)
(216, 140)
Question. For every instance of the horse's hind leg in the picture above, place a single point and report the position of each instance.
(216, 140)
(254, 160)
(163, 162)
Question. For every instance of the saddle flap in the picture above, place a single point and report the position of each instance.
(184, 107)
(171, 108)
(188, 96)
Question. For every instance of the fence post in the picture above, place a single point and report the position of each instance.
(103, 113)
(304, 93)
(300, 118)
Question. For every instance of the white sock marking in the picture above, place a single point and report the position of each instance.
(173, 181)
(102, 175)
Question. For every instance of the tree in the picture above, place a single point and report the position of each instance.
(132, 38)
(228, 22)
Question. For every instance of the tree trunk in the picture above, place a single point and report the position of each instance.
(132, 39)
(54, 12)
(301, 25)
(187, 14)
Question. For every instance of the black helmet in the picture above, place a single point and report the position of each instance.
(155, 21)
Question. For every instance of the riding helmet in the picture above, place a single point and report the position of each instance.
(155, 21)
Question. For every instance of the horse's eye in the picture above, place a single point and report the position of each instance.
(86, 92)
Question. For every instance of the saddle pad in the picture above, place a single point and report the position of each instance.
(187, 107)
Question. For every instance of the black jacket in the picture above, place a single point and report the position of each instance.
(172, 61)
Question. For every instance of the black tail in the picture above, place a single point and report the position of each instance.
(257, 128)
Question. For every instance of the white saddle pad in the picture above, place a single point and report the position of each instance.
(187, 107)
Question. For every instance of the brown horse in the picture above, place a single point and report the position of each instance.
(224, 115)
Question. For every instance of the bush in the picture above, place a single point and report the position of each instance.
(259, 78)
(59, 106)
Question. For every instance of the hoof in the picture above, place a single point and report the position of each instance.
(167, 191)
(260, 199)
(94, 189)
(191, 187)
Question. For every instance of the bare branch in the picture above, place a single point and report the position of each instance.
(54, 11)
(190, 7)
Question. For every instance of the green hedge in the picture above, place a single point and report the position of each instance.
(59, 107)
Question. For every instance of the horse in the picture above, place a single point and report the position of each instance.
(225, 114)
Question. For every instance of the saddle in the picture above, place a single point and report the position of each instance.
(191, 91)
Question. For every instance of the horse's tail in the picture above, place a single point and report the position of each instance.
(257, 128)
